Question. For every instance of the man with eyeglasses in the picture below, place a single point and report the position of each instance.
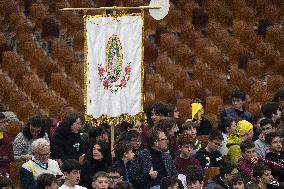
(6, 152)
(115, 176)
(40, 163)
(152, 164)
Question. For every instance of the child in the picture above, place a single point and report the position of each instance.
(244, 130)
(46, 181)
(194, 178)
(124, 155)
(100, 180)
(210, 156)
(71, 169)
(185, 158)
(227, 126)
(260, 145)
(115, 176)
(275, 154)
(204, 126)
(190, 128)
(170, 182)
(262, 177)
(272, 111)
(237, 112)
(238, 182)
(123, 185)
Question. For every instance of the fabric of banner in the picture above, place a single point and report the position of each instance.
(114, 66)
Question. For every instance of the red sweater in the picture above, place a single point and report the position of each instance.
(183, 164)
(6, 154)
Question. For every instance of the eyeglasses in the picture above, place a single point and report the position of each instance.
(4, 121)
(114, 177)
(163, 139)
(42, 155)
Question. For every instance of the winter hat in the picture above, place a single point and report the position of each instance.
(243, 127)
(196, 108)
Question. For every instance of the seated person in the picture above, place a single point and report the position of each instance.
(238, 181)
(210, 155)
(124, 155)
(185, 159)
(66, 143)
(262, 177)
(22, 146)
(40, 163)
(260, 145)
(170, 182)
(170, 128)
(46, 181)
(71, 169)
(190, 128)
(275, 154)
(6, 183)
(227, 126)
(95, 161)
(244, 130)
(123, 185)
(237, 112)
(249, 159)
(100, 180)
(115, 176)
(224, 179)
(6, 153)
(272, 111)
(194, 178)
(203, 125)
(256, 125)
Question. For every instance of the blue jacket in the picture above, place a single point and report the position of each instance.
(236, 115)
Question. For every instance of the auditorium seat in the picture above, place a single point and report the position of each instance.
(183, 107)
(253, 108)
(210, 173)
(214, 104)
(38, 13)
(78, 41)
(78, 73)
(274, 82)
(190, 88)
(203, 139)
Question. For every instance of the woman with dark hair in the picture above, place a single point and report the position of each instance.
(34, 129)
(66, 142)
(96, 160)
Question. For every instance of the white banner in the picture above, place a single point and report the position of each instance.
(114, 70)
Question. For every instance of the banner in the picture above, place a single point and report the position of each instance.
(114, 69)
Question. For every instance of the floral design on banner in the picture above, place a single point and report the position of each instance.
(113, 76)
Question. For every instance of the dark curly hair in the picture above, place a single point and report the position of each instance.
(185, 139)
(35, 121)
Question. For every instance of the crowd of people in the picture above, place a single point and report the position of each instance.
(160, 152)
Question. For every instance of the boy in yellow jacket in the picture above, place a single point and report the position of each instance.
(244, 130)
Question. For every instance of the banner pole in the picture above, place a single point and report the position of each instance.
(112, 8)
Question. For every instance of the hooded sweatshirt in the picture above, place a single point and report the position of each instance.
(234, 150)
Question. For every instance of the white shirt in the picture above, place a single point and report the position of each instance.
(68, 187)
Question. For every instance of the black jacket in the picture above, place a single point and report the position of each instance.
(66, 145)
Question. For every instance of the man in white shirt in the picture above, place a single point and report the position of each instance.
(39, 164)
